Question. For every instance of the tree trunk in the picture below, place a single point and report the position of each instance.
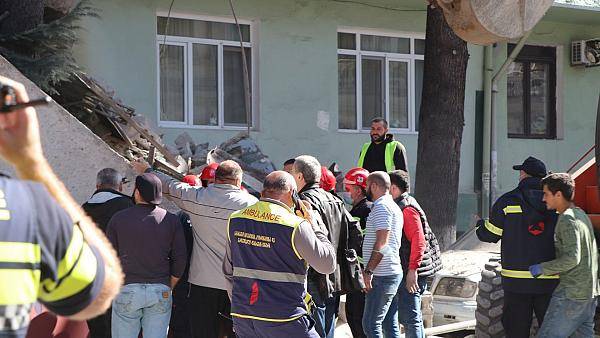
(20, 15)
(441, 126)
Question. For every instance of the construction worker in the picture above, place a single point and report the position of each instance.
(268, 252)
(50, 251)
(382, 153)
(208, 174)
(521, 220)
(355, 183)
(419, 254)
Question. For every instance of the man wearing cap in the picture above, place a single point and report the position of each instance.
(209, 209)
(520, 219)
(150, 244)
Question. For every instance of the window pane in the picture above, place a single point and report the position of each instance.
(347, 92)
(346, 41)
(385, 44)
(233, 85)
(202, 29)
(419, 66)
(206, 103)
(398, 84)
(372, 90)
(420, 46)
(539, 81)
(515, 100)
(172, 104)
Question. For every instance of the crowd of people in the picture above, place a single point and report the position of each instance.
(232, 264)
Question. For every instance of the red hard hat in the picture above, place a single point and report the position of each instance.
(357, 176)
(192, 180)
(328, 180)
(208, 173)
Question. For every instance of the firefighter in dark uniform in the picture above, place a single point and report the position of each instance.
(355, 184)
(520, 219)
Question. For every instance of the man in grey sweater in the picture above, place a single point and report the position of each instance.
(209, 209)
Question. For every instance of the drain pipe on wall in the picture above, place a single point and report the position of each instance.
(493, 165)
(488, 72)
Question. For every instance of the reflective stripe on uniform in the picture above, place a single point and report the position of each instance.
(20, 272)
(19, 286)
(493, 229)
(76, 270)
(266, 319)
(524, 274)
(17, 252)
(269, 275)
(512, 209)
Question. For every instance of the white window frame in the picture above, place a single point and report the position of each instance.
(187, 43)
(409, 58)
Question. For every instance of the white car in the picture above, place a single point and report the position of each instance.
(455, 287)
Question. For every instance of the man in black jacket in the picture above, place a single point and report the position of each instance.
(344, 233)
(383, 153)
(520, 219)
(106, 201)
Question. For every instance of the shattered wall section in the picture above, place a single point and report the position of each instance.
(75, 152)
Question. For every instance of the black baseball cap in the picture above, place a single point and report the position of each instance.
(533, 167)
(150, 188)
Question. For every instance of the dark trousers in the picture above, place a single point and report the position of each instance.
(517, 313)
(180, 326)
(100, 326)
(210, 313)
(355, 306)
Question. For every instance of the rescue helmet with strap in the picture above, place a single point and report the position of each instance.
(356, 176)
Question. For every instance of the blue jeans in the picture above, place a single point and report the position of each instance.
(146, 306)
(381, 307)
(324, 312)
(568, 318)
(409, 309)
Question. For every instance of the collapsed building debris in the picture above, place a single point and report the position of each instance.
(132, 136)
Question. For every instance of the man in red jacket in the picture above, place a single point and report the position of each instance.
(419, 255)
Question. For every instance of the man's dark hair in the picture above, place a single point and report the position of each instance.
(560, 182)
(401, 179)
(380, 119)
(289, 162)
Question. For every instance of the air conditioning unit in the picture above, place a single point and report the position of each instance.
(585, 53)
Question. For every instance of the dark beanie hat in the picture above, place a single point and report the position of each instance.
(150, 188)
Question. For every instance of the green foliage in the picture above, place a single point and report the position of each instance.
(44, 53)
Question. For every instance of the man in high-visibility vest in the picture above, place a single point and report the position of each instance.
(266, 262)
(383, 153)
(521, 220)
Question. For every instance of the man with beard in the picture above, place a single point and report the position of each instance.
(383, 153)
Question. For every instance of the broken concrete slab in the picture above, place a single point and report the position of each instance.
(73, 150)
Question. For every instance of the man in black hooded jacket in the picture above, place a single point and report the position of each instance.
(106, 201)
(520, 219)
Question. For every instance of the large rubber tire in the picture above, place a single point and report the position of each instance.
(490, 299)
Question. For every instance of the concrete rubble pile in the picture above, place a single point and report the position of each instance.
(132, 136)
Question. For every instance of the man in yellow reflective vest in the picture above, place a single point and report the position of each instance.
(266, 262)
(50, 251)
(520, 219)
(383, 153)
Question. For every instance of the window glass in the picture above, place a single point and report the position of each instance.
(539, 97)
(420, 46)
(346, 41)
(233, 85)
(206, 96)
(398, 95)
(347, 91)
(372, 89)
(516, 113)
(385, 44)
(202, 29)
(419, 66)
(172, 83)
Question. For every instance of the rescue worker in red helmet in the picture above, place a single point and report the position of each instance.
(208, 174)
(192, 180)
(355, 184)
(328, 180)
